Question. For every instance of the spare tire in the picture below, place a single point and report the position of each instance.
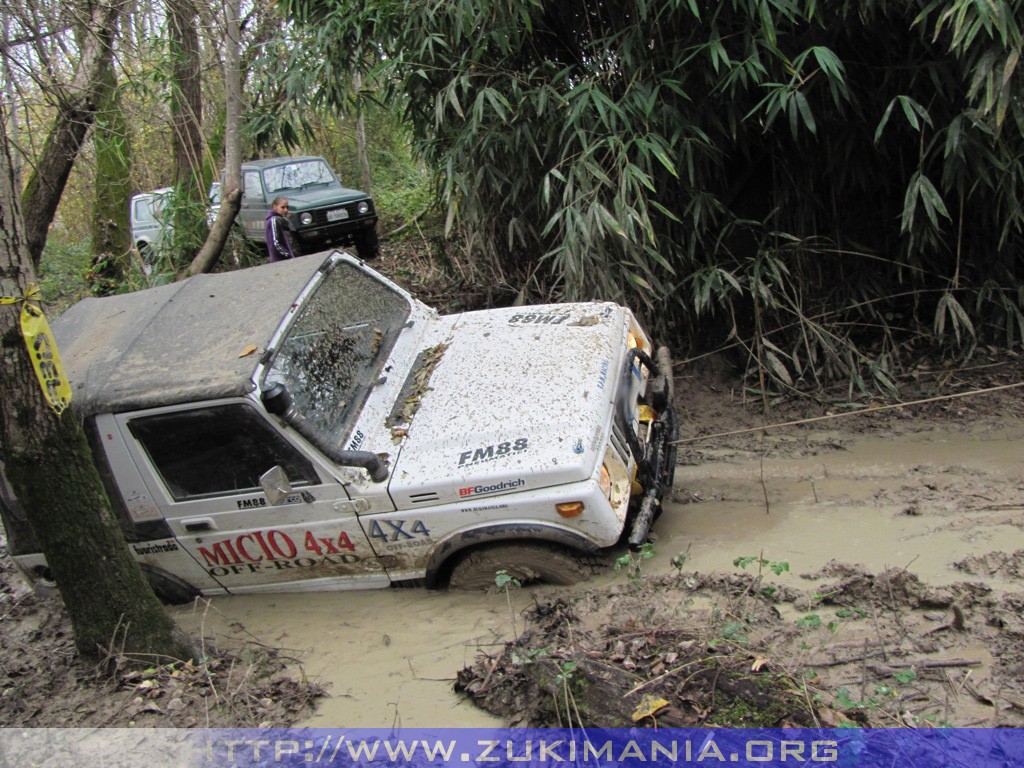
(528, 563)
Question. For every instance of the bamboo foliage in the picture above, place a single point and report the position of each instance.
(842, 181)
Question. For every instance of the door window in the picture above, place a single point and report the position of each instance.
(217, 451)
(253, 185)
(142, 210)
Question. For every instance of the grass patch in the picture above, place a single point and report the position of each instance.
(64, 271)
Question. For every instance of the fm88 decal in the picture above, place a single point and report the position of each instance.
(492, 452)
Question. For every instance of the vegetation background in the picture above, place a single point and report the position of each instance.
(832, 191)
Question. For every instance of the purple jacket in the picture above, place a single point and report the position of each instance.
(279, 246)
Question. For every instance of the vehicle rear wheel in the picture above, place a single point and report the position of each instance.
(146, 257)
(168, 587)
(527, 563)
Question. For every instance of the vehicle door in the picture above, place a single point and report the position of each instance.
(253, 213)
(202, 466)
(147, 230)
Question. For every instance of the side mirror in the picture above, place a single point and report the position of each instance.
(275, 485)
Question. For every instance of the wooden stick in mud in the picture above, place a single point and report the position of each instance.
(886, 669)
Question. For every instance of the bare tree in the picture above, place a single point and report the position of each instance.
(49, 465)
(231, 192)
(76, 107)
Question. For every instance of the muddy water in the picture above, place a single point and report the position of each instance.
(920, 501)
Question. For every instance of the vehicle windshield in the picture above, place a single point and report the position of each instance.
(334, 351)
(302, 173)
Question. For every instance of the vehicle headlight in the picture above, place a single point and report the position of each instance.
(605, 481)
(363, 207)
(637, 339)
(614, 483)
(570, 508)
(306, 218)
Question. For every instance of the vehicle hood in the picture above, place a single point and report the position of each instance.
(317, 197)
(508, 400)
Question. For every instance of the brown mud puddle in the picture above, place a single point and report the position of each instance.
(922, 502)
(896, 602)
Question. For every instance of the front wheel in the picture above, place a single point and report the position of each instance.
(527, 563)
(368, 245)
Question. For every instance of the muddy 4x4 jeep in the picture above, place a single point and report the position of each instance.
(323, 214)
(308, 425)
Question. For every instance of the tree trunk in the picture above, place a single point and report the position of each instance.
(111, 236)
(219, 233)
(190, 205)
(364, 160)
(231, 193)
(77, 106)
(48, 463)
(186, 95)
(9, 100)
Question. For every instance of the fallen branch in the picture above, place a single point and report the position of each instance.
(888, 669)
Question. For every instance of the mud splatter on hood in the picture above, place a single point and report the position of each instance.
(520, 399)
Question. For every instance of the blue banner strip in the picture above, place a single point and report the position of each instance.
(510, 748)
(597, 748)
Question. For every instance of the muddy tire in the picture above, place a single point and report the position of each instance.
(146, 257)
(528, 563)
(368, 245)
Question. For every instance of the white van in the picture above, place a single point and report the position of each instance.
(150, 231)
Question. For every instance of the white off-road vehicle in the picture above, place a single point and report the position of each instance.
(309, 425)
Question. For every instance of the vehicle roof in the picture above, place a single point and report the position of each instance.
(176, 343)
(270, 161)
(154, 193)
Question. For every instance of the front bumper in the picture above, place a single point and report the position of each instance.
(318, 238)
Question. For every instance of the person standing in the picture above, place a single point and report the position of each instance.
(279, 243)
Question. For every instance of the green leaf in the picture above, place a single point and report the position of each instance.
(904, 676)
(610, 221)
(662, 157)
(933, 204)
(778, 368)
(805, 112)
(454, 101)
(884, 120)
(635, 278)
(829, 63)
(909, 112)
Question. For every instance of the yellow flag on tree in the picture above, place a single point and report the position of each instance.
(42, 348)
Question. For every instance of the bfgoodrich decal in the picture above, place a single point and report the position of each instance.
(504, 485)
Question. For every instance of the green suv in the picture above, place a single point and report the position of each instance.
(323, 213)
